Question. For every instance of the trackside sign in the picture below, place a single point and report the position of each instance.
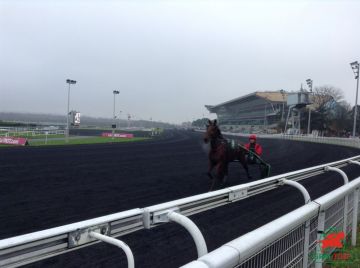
(13, 141)
(117, 135)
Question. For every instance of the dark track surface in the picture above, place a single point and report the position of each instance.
(46, 187)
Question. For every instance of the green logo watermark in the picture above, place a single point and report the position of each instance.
(333, 247)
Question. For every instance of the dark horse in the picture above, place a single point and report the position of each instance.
(221, 154)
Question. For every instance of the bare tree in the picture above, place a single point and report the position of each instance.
(340, 118)
(329, 106)
(324, 94)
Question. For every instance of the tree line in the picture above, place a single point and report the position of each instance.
(331, 115)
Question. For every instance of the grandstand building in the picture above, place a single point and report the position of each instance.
(255, 112)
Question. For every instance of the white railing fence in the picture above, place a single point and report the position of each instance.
(290, 241)
(31, 133)
(284, 242)
(24, 249)
(350, 142)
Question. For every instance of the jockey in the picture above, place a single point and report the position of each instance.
(253, 157)
(252, 146)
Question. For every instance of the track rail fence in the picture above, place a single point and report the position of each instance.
(31, 133)
(349, 142)
(285, 242)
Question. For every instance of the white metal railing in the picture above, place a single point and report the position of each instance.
(350, 142)
(280, 243)
(31, 133)
(24, 249)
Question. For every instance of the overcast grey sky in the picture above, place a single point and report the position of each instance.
(169, 58)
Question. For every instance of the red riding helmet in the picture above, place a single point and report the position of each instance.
(252, 137)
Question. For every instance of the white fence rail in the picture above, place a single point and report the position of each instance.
(31, 133)
(350, 142)
(284, 242)
(20, 250)
(278, 247)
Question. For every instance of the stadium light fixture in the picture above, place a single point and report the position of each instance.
(115, 92)
(70, 82)
(309, 83)
(355, 67)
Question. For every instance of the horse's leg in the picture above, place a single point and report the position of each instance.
(211, 166)
(226, 172)
(245, 166)
(212, 184)
(212, 178)
(216, 177)
(247, 170)
(220, 173)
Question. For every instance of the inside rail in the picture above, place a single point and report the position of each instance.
(24, 249)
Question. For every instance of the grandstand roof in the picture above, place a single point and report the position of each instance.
(271, 96)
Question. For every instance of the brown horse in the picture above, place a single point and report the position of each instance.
(221, 154)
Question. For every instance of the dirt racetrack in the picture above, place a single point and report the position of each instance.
(44, 187)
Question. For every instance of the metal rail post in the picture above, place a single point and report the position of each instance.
(338, 170)
(172, 214)
(320, 232)
(355, 217)
(118, 243)
(191, 227)
(306, 244)
(346, 201)
(307, 199)
(346, 208)
(298, 186)
(355, 211)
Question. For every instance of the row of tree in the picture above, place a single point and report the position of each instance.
(200, 123)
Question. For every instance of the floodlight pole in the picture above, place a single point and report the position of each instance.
(120, 118)
(355, 111)
(355, 67)
(265, 125)
(115, 92)
(310, 84)
(67, 116)
(309, 120)
(69, 81)
(283, 108)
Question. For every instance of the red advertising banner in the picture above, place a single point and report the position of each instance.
(117, 135)
(13, 141)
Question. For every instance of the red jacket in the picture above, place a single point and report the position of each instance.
(258, 148)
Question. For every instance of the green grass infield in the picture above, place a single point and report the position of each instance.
(75, 141)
